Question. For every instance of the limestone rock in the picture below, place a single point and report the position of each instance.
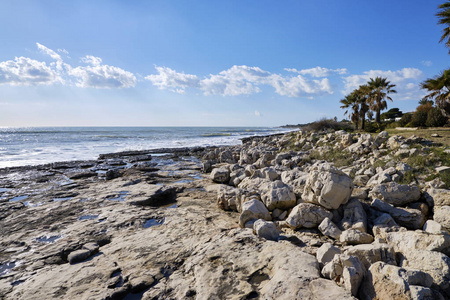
(307, 215)
(328, 228)
(396, 194)
(354, 216)
(410, 218)
(384, 281)
(277, 195)
(442, 216)
(326, 253)
(154, 195)
(431, 226)
(265, 229)
(220, 175)
(327, 187)
(354, 237)
(226, 198)
(369, 254)
(439, 197)
(78, 256)
(253, 209)
(434, 263)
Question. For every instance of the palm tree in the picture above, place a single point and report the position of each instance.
(439, 88)
(444, 19)
(363, 94)
(352, 105)
(380, 90)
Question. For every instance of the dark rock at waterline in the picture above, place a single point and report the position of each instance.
(81, 174)
(155, 196)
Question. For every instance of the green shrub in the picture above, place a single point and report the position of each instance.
(406, 118)
(374, 127)
(435, 118)
(419, 118)
(326, 124)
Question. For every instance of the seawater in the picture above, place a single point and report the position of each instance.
(40, 145)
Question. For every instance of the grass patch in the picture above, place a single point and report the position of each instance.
(425, 133)
(338, 157)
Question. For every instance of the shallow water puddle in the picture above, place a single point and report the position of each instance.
(18, 198)
(184, 181)
(171, 206)
(153, 222)
(62, 199)
(6, 268)
(2, 190)
(88, 217)
(48, 239)
(30, 204)
(118, 197)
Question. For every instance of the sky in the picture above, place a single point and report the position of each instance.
(208, 63)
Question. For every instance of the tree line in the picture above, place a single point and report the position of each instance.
(433, 109)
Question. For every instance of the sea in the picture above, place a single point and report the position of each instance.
(41, 145)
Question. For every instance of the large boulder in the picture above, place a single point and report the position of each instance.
(408, 217)
(220, 175)
(326, 253)
(371, 253)
(327, 187)
(253, 210)
(277, 195)
(442, 216)
(384, 281)
(434, 263)
(307, 215)
(396, 194)
(328, 228)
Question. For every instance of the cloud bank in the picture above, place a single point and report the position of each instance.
(26, 71)
(240, 80)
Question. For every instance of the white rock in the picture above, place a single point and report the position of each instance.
(307, 215)
(396, 194)
(267, 230)
(277, 195)
(327, 187)
(326, 253)
(220, 175)
(431, 226)
(328, 228)
(354, 237)
(354, 216)
(253, 209)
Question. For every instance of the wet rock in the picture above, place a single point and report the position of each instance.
(81, 174)
(154, 196)
(307, 215)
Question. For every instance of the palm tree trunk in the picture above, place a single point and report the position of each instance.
(378, 117)
(363, 122)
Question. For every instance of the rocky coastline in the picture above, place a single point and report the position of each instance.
(301, 215)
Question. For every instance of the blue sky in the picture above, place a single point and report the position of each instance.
(208, 63)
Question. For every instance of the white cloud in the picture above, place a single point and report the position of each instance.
(63, 51)
(427, 63)
(257, 113)
(171, 80)
(92, 60)
(240, 80)
(27, 71)
(102, 76)
(318, 71)
(404, 79)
